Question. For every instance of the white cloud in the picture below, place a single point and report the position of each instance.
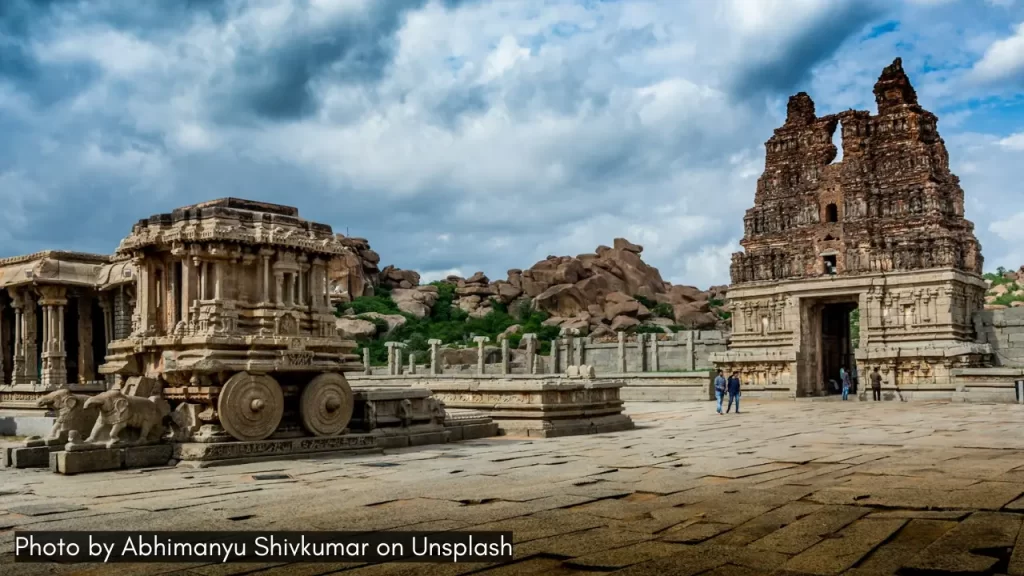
(495, 133)
(1013, 141)
(118, 53)
(1004, 59)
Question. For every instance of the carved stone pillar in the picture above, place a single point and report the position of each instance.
(642, 349)
(188, 280)
(655, 361)
(300, 292)
(218, 280)
(504, 356)
(531, 353)
(391, 357)
(53, 300)
(621, 351)
(554, 357)
(689, 361)
(570, 348)
(480, 354)
(367, 369)
(398, 358)
(86, 355)
(412, 362)
(265, 280)
(435, 359)
(279, 288)
(142, 319)
(25, 366)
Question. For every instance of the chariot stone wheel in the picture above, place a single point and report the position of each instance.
(250, 406)
(326, 404)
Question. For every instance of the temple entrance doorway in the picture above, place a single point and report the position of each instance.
(830, 330)
(837, 345)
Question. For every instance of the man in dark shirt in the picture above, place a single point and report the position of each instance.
(734, 392)
(720, 386)
(876, 385)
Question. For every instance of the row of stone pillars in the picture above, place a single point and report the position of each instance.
(50, 346)
(574, 346)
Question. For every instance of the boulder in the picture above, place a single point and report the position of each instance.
(620, 323)
(623, 244)
(618, 297)
(397, 278)
(355, 329)
(683, 294)
(513, 329)
(580, 325)
(416, 301)
(1016, 304)
(694, 316)
(394, 321)
(478, 278)
(624, 308)
(999, 290)
(554, 321)
(507, 292)
(562, 300)
(601, 331)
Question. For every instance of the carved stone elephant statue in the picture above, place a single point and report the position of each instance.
(72, 413)
(118, 412)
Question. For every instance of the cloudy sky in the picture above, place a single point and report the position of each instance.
(464, 135)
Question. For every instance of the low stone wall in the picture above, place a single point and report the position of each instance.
(636, 387)
(523, 404)
(1003, 331)
(638, 353)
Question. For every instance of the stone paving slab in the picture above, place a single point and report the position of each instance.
(786, 488)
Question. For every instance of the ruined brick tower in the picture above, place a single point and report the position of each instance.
(882, 231)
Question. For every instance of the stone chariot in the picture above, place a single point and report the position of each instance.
(233, 323)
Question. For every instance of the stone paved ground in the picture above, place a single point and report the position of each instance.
(784, 488)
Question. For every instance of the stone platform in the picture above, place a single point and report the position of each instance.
(542, 407)
(202, 455)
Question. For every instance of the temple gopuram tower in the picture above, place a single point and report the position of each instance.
(881, 232)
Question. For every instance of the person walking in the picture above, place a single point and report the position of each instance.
(876, 385)
(734, 392)
(720, 388)
(846, 382)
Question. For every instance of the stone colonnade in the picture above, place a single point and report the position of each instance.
(40, 357)
(571, 342)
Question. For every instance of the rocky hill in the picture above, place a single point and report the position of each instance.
(1005, 289)
(609, 290)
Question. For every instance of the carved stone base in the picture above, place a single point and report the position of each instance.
(540, 407)
(81, 461)
(29, 457)
(201, 455)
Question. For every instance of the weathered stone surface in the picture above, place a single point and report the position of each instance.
(857, 227)
(355, 328)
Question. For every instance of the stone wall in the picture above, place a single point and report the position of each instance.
(679, 352)
(1003, 331)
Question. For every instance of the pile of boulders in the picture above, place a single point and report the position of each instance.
(392, 277)
(1012, 288)
(609, 290)
(596, 293)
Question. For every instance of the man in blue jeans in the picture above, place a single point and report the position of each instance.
(733, 386)
(720, 388)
